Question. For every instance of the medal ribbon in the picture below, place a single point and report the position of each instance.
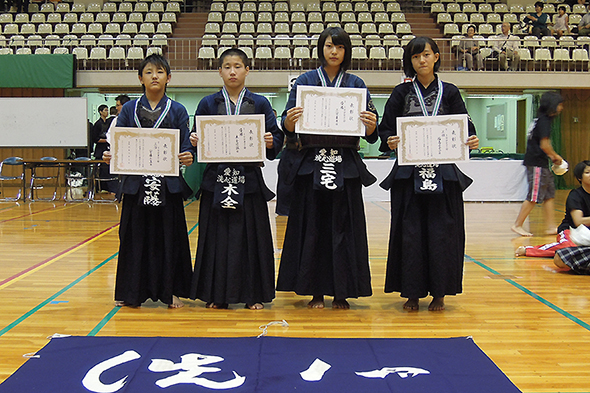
(421, 98)
(325, 81)
(160, 119)
(228, 101)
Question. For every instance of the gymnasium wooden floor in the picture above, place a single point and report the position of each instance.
(57, 271)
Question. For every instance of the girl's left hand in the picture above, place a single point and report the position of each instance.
(268, 139)
(186, 158)
(472, 142)
(369, 119)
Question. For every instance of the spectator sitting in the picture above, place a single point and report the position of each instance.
(505, 47)
(538, 19)
(584, 25)
(468, 49)
(561, 22)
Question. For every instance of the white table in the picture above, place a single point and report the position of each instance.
(493, 180)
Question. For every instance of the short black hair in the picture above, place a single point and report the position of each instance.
(158, 60)
(548, 103)
(415, 46)
(561, 7)
(235, 52)
(123, 98)
(155, 59)
(102, 107)
(339, 37)
(539, 4)
(471, 26)
(113, 110)
(579, 169)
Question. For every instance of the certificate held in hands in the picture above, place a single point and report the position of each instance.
(145, 151)
(432, 139)
(331, 110)
(236, 138)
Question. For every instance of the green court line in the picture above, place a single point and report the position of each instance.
(564, 313)
(104, 321)
(112, 313)
(56, 295)
(561, 311)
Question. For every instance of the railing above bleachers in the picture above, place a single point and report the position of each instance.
(278, 53)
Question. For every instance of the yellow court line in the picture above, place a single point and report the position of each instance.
(27, 272)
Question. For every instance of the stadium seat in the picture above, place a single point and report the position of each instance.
(80, 53)
(86, 17)
(42, 51)
(147, 28)
(135, 53)
(52, 40)
(40, 18)
(398, 17)
(116, 53)
(105, 40)
(359, 53)
(70, 18)
(165, 28)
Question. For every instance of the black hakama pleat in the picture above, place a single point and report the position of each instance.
(326, 250)
(235, 254)
(284, 190)
(426, 241)
(154, 252)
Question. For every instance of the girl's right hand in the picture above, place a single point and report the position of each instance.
(106, 156)
(393, 142)
(293, 116)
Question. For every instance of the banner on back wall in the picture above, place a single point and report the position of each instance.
(37, 71)
(267, 364)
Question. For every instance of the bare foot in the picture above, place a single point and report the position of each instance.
(412, 305)
(121, 303)
(520, 251)
(217, 306)
(255, 306)
(176, 303)
(316, 302)
(340, 304)
(437, 304)
(521, 231)
(551, 231)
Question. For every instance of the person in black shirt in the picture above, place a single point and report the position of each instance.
(538, 151)
(578, 258)
(577, 212)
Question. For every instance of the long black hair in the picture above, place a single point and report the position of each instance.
(416, 46)
(339, 37)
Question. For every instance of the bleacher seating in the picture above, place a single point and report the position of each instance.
(274, 25)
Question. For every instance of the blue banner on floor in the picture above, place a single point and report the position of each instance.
(266, 364)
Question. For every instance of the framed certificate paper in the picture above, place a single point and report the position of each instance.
(238, 138)
(331, 110)
(432, 139)
(145, 151)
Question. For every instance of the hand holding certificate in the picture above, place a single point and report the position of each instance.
(238, 138)
(329, 110)
(144, 151)
(432, 139)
